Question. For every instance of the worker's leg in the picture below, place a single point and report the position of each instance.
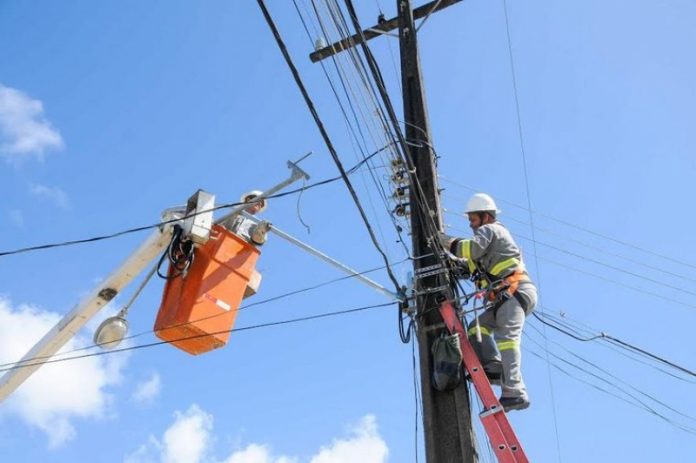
(509, 323)
(486, 350)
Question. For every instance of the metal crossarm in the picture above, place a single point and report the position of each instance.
(502, 437)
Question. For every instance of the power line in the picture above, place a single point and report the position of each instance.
(345, 85)
(638, 403)
(609, 280)
(531, 215)
(604, 251)
(624, 344)
(233, 330)
(325, 136)
(209, 317)
(416, 190)
(614, 378)
(159, 224)
(581, 228)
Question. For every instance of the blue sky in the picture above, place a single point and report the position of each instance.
(111, 112)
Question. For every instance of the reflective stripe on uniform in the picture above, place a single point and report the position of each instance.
(465, 252)
(504, 265)
(484, 330)
(507, 345)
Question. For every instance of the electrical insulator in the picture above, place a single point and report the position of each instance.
(397, 164)
(319, 43)
(401, 210)
(400, 177)
(400, 193)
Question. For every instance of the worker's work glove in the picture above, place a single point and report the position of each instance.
(445, 240)
(259, 232)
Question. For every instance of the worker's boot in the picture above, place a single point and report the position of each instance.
(514, 403)
(494, 371)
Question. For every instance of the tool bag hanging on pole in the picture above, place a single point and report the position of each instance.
(447, 360)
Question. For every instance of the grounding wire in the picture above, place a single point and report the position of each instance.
(325, 136)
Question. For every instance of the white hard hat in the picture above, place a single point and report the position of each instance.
(481, 202)
(253, 194)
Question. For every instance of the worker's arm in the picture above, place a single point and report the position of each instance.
(472, 249)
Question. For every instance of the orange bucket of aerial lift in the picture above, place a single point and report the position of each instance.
(199, 309)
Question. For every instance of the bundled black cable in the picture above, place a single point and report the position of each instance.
(180, 253)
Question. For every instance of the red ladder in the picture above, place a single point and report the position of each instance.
(505, 444)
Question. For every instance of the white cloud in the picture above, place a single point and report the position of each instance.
(365, 445)
(187, 440)
(52, 194)
(146, 391)
(190, 440)
(57, 394)
(255, 453)
(24, 131)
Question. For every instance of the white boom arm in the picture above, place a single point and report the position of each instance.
(153, 246)
(71, 323)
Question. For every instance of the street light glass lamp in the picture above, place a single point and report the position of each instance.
(111, 332)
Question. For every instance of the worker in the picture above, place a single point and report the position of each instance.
(495, 262)
(248, 229)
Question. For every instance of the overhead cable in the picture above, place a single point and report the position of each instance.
(602, 335)
(566, 237)
(610, 280)
(584, 229)
(233, 330)
(638, 403)
(159, 224)
(362, 147)
(208, 317)
(325, 136)
(531, 214)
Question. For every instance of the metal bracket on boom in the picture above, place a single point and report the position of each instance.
(296, 174)
(315, 252)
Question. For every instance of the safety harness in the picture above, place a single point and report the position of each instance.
(500, 282)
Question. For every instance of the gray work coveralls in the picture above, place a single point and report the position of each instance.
(495, 252)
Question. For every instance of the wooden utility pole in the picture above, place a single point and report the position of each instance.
(448, 431)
